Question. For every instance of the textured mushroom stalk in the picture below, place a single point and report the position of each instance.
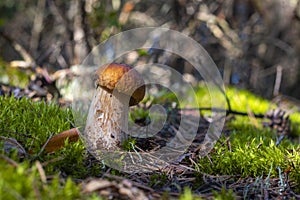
(107, 120)
(118, 87)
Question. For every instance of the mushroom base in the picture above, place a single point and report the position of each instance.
(107, 120)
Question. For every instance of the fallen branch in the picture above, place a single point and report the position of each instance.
(19, 48)
(227, 111)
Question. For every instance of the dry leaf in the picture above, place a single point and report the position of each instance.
(58, 141)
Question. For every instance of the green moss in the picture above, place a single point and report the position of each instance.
(13, 76)
(245, 101)
(163, 96)
(24, 182)
(224, 195)
(31, 124)
(142, 52)
(188, 195)
(128, 145)
(158, 180)
(250, 149)
(295, 126)
(240, 100)
(138, 114)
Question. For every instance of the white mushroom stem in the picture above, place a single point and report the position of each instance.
(107, 120)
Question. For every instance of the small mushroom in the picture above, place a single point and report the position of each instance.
(118, 87)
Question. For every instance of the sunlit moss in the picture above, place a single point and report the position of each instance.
(24, 182)
(31, 124)
(245, 101)
(188, 195)
(240, 100)
(13, 76)
(248, 149)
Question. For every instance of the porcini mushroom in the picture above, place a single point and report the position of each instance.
(118, 87)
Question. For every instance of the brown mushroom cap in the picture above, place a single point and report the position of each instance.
(124, 79)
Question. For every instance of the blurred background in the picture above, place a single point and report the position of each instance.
(254, 43)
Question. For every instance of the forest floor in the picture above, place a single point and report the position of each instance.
(256, 157)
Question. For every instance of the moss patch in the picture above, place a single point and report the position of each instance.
(31, 124)
(247, 149)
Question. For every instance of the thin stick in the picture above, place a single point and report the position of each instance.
(228, 111)
(19, 48)
(278, 80)
(10, 161)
